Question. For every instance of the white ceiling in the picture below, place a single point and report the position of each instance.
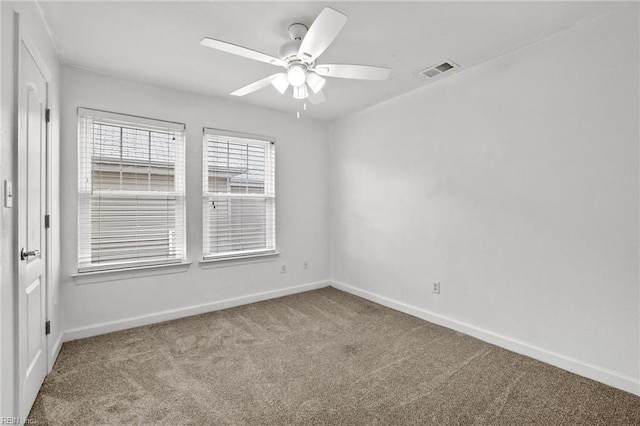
(158, 42)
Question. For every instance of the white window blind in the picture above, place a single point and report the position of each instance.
(130, 191)
(239, 216)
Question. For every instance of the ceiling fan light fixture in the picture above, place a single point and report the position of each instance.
(281, 83)
(315, 82)
(296, 75)
(300, 92)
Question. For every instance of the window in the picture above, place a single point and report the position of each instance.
(238, 195)
(130, 191)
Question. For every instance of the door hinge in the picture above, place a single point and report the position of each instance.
(47, 115)
(47, 221)
(47, 327)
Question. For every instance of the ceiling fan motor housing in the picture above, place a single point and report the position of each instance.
(289, 50)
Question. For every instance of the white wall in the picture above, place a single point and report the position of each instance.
(514, 184)
(31, 24)
(302, 208)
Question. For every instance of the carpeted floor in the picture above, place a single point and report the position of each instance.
(322, 357)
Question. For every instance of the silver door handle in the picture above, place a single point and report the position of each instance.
(25, 254)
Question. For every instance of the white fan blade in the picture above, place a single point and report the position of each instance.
(240, 51)
(256, 85)
(316, 98)
(357, 72)
(321, 34)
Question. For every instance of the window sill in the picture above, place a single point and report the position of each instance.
(91, 277)
(222, 262)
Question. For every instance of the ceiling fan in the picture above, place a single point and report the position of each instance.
(299, 57)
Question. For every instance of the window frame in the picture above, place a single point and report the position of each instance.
(268, 194)
(85, 169)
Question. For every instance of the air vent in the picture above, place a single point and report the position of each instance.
(436, 70)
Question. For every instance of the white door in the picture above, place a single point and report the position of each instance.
(32, 144)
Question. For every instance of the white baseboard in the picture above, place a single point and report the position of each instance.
(108, 327)
(603, 375)
(55, 351)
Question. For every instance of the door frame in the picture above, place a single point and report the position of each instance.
(23, 37)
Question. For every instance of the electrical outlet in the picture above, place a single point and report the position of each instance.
(436, 287)
(283, 269)
(305, 265)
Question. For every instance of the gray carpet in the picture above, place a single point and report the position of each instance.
(322, 357)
